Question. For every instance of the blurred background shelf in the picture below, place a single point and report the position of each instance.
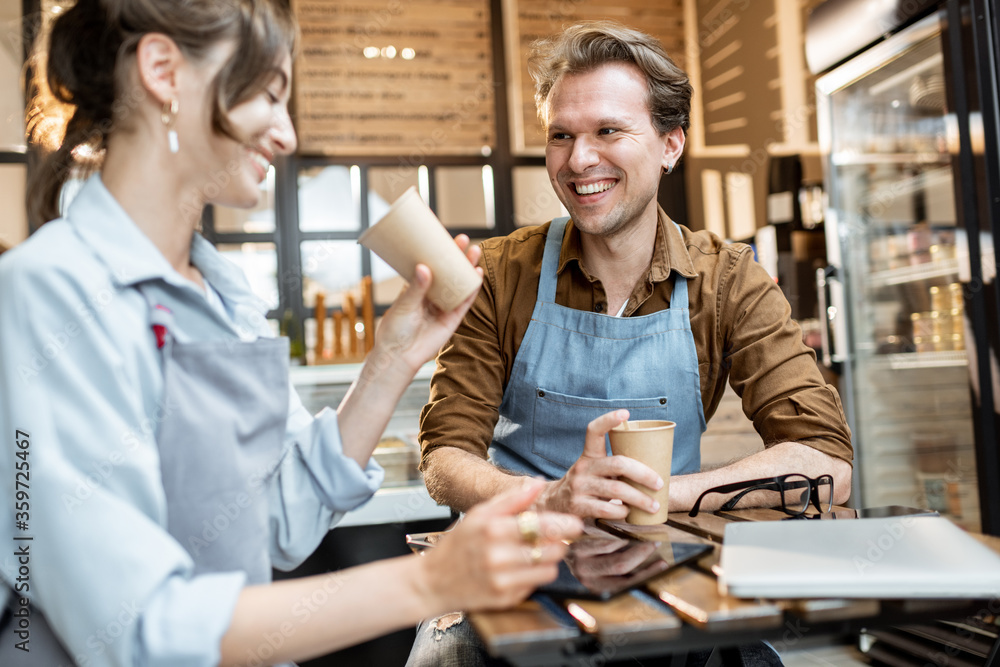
(908, 274)
(916, 360)
(403, 497)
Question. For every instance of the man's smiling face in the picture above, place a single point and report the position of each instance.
(603, 154)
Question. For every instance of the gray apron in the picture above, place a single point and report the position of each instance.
(219, 443)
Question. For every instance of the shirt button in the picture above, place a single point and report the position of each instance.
(599, 308)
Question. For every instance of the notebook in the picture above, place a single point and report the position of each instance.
(894, 557)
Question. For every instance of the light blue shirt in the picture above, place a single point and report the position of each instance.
(80, 373)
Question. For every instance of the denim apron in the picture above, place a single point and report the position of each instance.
(219, 443)
(574, 365)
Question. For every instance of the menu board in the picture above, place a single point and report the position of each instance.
(402, 77)
(529, 20)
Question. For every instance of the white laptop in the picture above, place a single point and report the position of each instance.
(894, 557)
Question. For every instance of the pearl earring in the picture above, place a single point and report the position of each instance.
(167, 115)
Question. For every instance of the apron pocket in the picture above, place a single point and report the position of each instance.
(561, 418)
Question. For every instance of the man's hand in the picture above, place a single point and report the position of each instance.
(592, 483)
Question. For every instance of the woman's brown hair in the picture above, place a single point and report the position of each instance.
(81, 78)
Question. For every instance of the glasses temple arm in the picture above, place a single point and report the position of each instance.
(758, 485)
(731, 503)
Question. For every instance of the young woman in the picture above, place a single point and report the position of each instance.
(155, 463)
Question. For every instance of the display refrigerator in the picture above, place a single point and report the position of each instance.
(907, 117)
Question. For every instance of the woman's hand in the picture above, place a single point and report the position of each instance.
(414, 329)
(485, 563)
(411, 333)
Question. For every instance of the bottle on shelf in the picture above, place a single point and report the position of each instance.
(290, 329)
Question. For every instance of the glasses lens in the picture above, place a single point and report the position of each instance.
(824, 491)
(795, 494)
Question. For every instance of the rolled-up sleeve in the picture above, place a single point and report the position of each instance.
(314, 486)
(467, 386)
(773, 371)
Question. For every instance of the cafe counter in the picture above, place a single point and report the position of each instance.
(403, 497)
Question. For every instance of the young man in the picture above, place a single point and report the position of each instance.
(619, 308)
(617, 312)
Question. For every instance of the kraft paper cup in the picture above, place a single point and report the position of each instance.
(650, 442)
(409, 234)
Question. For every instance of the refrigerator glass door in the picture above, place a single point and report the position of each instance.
(888, 142)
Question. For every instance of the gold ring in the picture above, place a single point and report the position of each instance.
(529, 526)
(536, 555)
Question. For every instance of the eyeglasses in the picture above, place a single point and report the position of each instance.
(795, 490)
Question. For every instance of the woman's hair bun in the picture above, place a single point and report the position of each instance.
(83, 93)
(83, 53)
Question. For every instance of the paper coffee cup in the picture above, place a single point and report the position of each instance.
(650, 442)
(409, 234)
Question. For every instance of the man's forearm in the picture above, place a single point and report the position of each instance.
(460, 480)
(780, 459)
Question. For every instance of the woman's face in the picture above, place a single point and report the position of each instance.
(236, 169)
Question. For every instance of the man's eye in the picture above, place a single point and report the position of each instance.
(607, 130)
(558, 136)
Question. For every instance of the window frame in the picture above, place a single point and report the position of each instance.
(288, 238)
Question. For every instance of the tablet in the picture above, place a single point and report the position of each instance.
(600, 567)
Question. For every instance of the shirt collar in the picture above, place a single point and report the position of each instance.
(132, 258)
(225, 276)
(669, 250)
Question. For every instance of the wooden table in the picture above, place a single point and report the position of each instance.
(682, 610)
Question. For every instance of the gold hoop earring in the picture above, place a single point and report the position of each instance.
(167, 115)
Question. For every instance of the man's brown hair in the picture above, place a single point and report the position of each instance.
(586, 46)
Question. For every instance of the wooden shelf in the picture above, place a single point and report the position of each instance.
(850, 158)
(913, 273)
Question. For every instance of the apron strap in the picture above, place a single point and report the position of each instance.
(679, 297)
(550, 260)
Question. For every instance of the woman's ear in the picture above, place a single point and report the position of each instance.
(158, 59)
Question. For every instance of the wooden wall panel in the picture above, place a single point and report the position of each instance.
(394, 78)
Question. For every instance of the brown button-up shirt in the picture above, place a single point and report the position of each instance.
(739, 317)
